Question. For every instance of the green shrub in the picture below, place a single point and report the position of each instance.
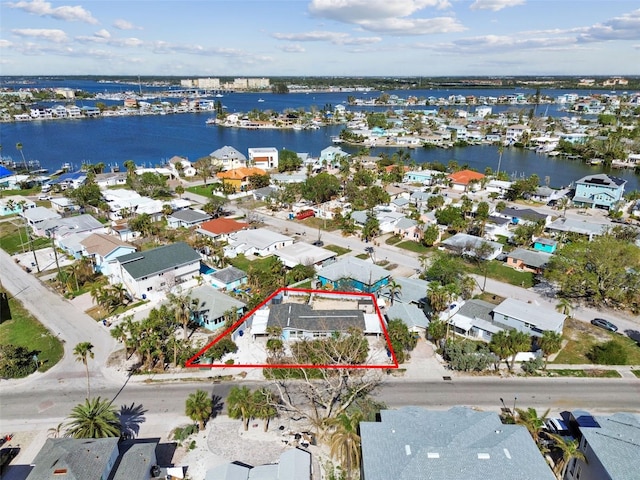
(609, 353)
(531, 366)
(182, 433)
(16, 361)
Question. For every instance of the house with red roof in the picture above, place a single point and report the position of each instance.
(466, 180)
(219, 229)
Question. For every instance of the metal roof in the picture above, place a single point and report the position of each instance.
(150, 262)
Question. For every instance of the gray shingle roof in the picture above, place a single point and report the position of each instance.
(136, 459)
(531, 258)
(524, 213)
(410, 315)
(302, 317)
(229, 275)
(150, 262)
(460, 444)
(188, 215)
(477, 309)
(355, 269)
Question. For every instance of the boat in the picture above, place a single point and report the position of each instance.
(260, 100)
(210, 121)
(219, 95)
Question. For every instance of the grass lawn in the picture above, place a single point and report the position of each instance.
(392, 240)
(414, 246)
(636, 373)
(13, 238)
(362, 256)
(590, 373)
(202, 190)
(320, 223)
(337, 249)
(490, 298)
(25, 331)
(499, 271)
(583, 336)
(243, 262)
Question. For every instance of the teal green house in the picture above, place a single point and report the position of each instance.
(352, 274)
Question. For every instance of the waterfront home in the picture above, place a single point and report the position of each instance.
(213, 307)
(413, 443)
(546, 245)
(528, 260)
(464, 244)
(69, 180)
(501, 187)
(229, 278)
(228, 158)
(265, 158)
(530, 318)
(302, 253)
(182, 167)
(515, 133)
(187, 218)
(219, 229)
(152, 273)
(609, 444)
(598, 191)
(466, 180)
(238, 178)
(353, 274)
(260, 242)
(111, 179)
(124, 203)
(103, 249)
(330, 155)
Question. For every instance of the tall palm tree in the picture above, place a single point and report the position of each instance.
(550, 343)
(344, 442)
(265, 408)
(83, 351)
(569, 450)
(530, 419)
(130, 165)
(199, 407)
(395, 289)
(564, 306)
(241, 405)
(182, 307)
(96, 418)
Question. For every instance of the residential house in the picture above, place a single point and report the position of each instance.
(103, 249)
(64, 205)
(187, 218)
(582, 227)
(14, 204)
(546, 245)
(265, 158)
(288, 177)
(353, 274)
(302, 253)
(96, 459)
(501, 187)
(530, 318)
(213, 307)
(410, 313)
(608, 442)
(238, 178)
(124, 203)
(154, 272)
(526, 216)
(121, 229)
(36, 217)
(528, 260)
(497, 227)
(265, 194)
(182, 167)
(466, 180)
(260, 242)
(474, 319)
(294, 464)
(599, 191)
(228, 158)
(111, 179)
(464, 244)
(408, 228)
(515, 133)
(5, 176)
(229, 278)
(69, 180)
(219, 229)
(69, 232)
(330, 154)
(412, 443)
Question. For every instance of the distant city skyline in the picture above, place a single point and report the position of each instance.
(250, 38)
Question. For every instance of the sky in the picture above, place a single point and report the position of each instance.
(265, 38)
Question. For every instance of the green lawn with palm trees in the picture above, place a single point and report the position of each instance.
(25, 331)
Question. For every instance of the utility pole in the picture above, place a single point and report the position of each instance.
(50, 233)
(26, 226)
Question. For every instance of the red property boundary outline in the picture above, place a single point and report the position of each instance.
(191, 362)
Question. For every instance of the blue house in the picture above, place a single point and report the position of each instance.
(228, 278)
(546, 245)
(330, 154)
(353, 274)
(599, 191)
(425, 177)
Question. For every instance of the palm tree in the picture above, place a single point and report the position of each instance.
(19, 148)
(264, 406)
(569, 449)
(83, 351)
(182, 308)
(507, 344)
(344, 442)
(95, 418)
(199, 407)
(550, 343)
(564, 306)
(130, 165)
(530, 419)
(241, 405)
(395, 289)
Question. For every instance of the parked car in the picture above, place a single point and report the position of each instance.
(557, 426)
(606, 324)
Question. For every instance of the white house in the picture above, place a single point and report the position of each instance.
(153, 273)
(263, 157)
(182, 167)
(529, 318)
(123, 203)
(260, 242)
(228, 158)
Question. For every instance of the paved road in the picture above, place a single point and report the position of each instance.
(69, 324)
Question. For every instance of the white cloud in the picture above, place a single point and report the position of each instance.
(291, 48)
(102, 34)
(419, 26)
(5, 43)
(121, 24)
(356, 11)
(625, 27)
(51, 35)
(495, 5)
(44, 9)
(335, 38)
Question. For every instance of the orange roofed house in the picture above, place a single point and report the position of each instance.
(239, 177)
(220, 228)
(466, 180)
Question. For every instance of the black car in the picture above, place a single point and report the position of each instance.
(606, 324)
